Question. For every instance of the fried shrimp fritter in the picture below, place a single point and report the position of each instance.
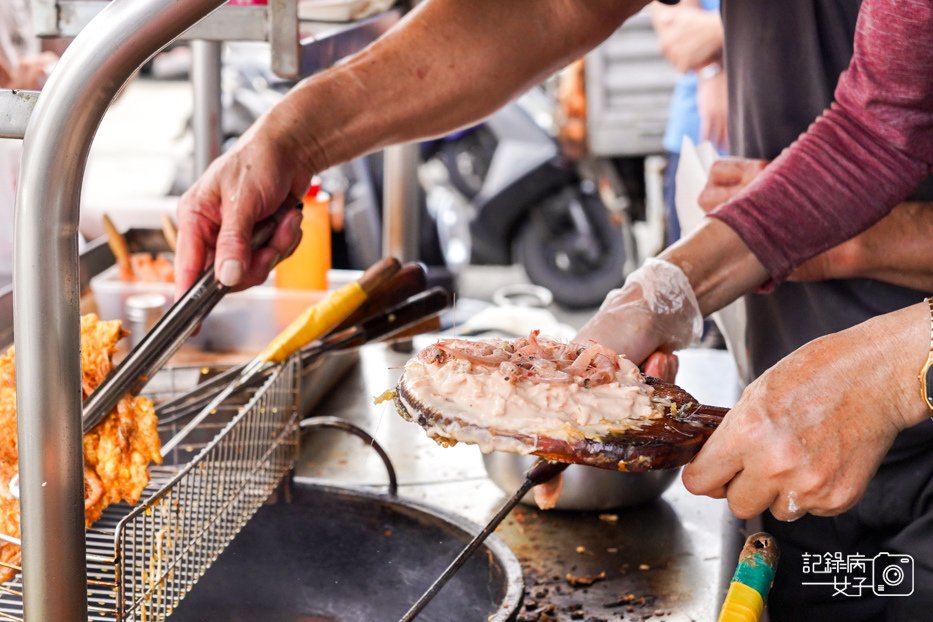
(117, 451)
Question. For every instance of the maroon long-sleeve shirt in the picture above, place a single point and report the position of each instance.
(864, 155)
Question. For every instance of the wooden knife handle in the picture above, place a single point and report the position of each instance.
(118, 247)
(407, 282)
(379, 273)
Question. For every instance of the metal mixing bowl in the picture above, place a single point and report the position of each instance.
(585, 488)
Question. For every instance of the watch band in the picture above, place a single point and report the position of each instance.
(926, 373)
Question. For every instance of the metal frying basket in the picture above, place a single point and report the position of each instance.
(141, 561)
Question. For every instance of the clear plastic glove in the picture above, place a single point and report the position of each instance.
(655, 309)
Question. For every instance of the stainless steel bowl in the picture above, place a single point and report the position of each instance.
(585, 488)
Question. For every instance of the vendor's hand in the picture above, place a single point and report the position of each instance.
(663, 365)
(216, 216)
(727, 178)
(654, 310)
(690, 37)
(809, 433)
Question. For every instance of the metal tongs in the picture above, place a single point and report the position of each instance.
(318, 320)
(170, 332)
(388, 323)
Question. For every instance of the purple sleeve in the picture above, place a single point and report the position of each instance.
(861, 157)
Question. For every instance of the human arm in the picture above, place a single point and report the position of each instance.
(713, 106)
(894, 250)
(874, 141)
(446, 65)
(808, 435)
(30, 73)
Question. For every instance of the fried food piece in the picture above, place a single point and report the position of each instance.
(98, 345)
(8, 369)
(147, 268)
(117, 452)
(8, 442)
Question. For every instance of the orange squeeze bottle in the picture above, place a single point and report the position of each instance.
(308, 265)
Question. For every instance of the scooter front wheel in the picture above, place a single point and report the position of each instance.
(571, 246)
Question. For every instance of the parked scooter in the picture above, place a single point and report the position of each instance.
(503, 191)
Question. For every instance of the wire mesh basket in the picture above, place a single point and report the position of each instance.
(142, 560)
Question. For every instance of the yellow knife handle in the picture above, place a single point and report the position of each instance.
(742, 604)
(316, 321)
(752, 580)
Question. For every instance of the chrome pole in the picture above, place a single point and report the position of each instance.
(48, 364)
(400, 213)
(205, 122)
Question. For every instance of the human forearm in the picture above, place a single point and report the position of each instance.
(718, 264)
(803, 203)
(445, 66)
(896, 250)
(448, 64)
(873, 142)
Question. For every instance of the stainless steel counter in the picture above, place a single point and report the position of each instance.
(667, 560)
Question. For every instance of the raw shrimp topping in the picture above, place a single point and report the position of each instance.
(536, 360)
(500, 390)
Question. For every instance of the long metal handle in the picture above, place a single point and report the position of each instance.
(541, 471)
(48, 365)
(170, 332)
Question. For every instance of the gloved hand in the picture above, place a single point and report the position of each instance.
(655, 309)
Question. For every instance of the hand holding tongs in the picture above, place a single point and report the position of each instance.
(170, 332)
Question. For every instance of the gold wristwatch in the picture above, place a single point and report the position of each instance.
(926, 374)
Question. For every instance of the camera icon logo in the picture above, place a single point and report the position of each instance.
(893, 574)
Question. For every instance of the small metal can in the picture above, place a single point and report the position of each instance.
(142, 313)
